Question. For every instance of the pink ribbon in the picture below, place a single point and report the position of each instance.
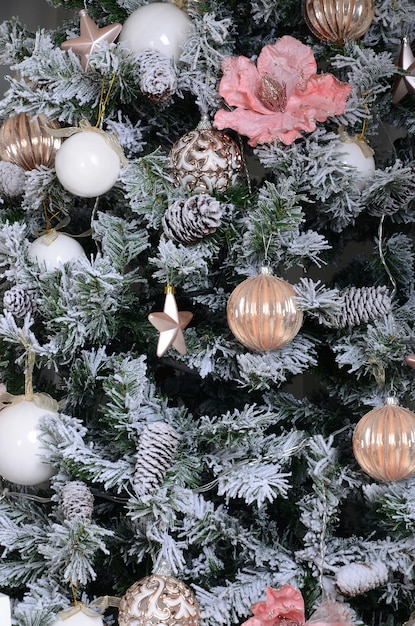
(285, 607)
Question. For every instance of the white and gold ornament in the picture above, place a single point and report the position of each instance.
(170, 323)
(88, 162)
(206, 160)
(20, 445)
(79, 615)
(53, 249)
(159, 600)
(159, 25)
(91, 38)
(354, 151)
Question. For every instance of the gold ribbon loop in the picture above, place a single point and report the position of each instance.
(41, 400)
(363, 145)
(84, 125)
(94, 609)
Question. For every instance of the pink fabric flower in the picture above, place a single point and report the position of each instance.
(279, 96)
(281, 607)
(285, 607)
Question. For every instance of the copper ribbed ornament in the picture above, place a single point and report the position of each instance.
(206, 159)
(262, 312)
(384, 442)
(26, 142)
(159, 600)
(339, 20)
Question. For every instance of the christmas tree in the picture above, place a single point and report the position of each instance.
(207, 334)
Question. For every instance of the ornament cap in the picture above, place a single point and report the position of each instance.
(169, 289)
(204, 123)
(266, 270)
(392, 401)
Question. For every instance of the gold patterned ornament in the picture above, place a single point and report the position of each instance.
(91, 38)
(262, 312)
(25, 141)
(339, 20)
(159, 600)
(384, 442)
(404, 85)
(206, 160)
(170, 323)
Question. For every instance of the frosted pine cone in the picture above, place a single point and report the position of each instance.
(157, 76)
(188, 220)
(360, 305)
(19, 301)
(77, 501)
(155, 452)
(358, 578)
(12, 179)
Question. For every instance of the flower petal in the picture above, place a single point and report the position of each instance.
(240, 84)
(288, 61)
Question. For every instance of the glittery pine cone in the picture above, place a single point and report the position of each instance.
(12, 179)
(157, 76)
(77, 501)
(358, 578)
(19, 301)
(360, 305)
(155, 452)
(186, 221)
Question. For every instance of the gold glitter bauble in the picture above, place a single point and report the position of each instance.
(159, 600)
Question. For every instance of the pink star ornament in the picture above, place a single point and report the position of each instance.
(91, 38)
(405, 84)
(170, 323)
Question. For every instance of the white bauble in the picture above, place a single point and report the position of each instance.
(54, 249)
(87, 165)
(352, 153)
(158, 25)
(80, 619)
(20, 448)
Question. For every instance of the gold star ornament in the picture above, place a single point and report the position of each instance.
(170, 323)
(405, 84)
(91, 38)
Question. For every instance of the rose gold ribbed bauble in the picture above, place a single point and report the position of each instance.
(262, 313)
(159, 600)
(25, 141)
(384, 442)
(339, 20)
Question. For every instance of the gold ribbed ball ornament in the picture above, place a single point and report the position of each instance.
(339, 20)
(262, 312)
(25, 141)
(384, 442)
(159, 600)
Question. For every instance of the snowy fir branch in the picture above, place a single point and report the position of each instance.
(186, 433)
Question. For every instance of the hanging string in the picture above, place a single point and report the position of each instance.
(49, 218)
(30, 364)
(103, 100)
(382, 257)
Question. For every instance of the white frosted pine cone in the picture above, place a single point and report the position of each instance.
(186, 221)
(155, 451)
(358, 578)
(77, 501)
(360, 305)
(158, 79)
(19, 301)
(12, 179)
